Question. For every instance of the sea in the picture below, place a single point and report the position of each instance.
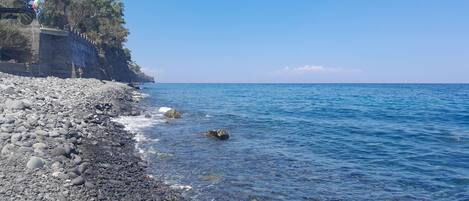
(308, 141)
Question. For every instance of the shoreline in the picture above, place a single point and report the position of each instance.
(58, 142)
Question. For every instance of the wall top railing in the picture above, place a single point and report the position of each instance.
(60, 32)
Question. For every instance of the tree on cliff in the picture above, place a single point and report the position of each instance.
(101, 20)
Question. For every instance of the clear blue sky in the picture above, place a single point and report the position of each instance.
(301, 40)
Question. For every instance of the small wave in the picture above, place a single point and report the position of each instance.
(139, 96)
(181, 187)
(136, 125)
(164, 109)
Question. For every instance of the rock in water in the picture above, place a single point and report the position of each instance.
(35, 163)
(172, 114)
(220, 134)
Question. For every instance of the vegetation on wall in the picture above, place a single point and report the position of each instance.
(13, 44)
(100, 20)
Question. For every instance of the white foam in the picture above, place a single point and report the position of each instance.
(181, 187)
(164, 109)
(135, 125)
(139, 96)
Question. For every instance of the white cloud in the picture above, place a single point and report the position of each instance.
(313, 69)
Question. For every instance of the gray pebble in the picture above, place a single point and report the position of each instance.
(78, 181)
(35, 163)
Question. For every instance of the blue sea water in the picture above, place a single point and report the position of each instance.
(313, 141)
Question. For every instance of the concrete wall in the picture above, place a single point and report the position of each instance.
(67, 54)
(57, 53)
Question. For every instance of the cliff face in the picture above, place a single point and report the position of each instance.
(117, 67)
(67, 54)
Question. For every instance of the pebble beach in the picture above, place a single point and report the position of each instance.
(58, 142)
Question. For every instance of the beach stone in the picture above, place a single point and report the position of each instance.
(35, 163)
(42, 133)
(15, 104)
(5, 136)
(8, 149)
(56, 165)
(78, 181)
(172, 114)
(220, 134)
(58, 151)
(26, 144)
(6, 129)
(21, 129)
(60, 175)
(16, 138)
(54, 134)
(83, 167)
(39, 145)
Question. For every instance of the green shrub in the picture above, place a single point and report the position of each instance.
(13, 44)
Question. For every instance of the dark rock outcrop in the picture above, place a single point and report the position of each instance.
(172, 114)
(220, 134)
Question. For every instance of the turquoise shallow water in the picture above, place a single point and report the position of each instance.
(313, 141)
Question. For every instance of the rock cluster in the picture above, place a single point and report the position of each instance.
(220, 134)
(57, 142)
(172, 114)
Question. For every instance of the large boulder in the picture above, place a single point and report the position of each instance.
(172, 114)
(220, 134)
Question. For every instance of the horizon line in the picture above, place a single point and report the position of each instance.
(455, 83)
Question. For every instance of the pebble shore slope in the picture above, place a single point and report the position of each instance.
(57, 142)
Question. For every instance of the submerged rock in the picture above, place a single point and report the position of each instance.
(172, 114)
(220, 134)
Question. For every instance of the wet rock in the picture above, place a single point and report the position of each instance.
(35, 163)
(220, 134)
(172, 114)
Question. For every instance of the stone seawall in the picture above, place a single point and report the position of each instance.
(67, 54)
(57, 53)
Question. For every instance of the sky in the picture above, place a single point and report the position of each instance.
(301, 41)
